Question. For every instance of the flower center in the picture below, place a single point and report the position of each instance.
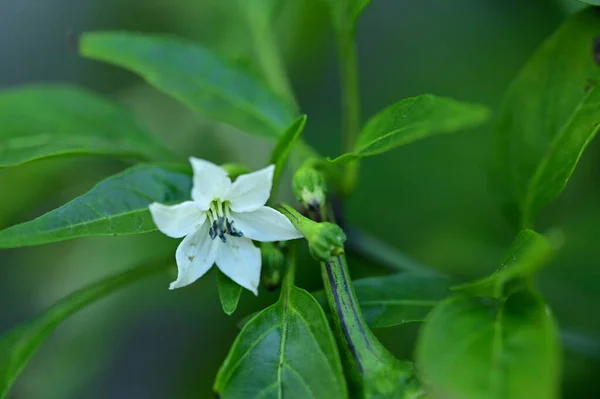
(221, 223)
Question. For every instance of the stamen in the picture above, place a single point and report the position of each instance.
(221, 221)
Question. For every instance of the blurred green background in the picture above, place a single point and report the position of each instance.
(430, 199)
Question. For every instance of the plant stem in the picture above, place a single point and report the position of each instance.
(373, 371)
(290, 269)
(350, 101)
(268, 54)
(349, 87)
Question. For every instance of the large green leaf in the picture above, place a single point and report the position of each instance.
(286, 351)
(508, 350)
(412, 119)
(116, 206)
(550, 114)
(396, 299)
(18, 345)
(592, 2)
(50, 120)
(528, 253)
(195, 76)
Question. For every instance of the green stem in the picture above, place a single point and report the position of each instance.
(290, 269)
(350, 101)
(373, 371)
(268, 54)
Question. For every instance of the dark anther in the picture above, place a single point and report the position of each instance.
(232, 230)
(213, 231)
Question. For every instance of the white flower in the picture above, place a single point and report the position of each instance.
(220, 223)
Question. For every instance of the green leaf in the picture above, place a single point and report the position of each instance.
(116, 206)
(195, 76)
(592, 2)
(229, 292)
(287, 350)
(469, 349)
(51, 120)
(284, 146)
(18, 345)
(549, 115)
(412, 119)
(528, 253)
(396, 299)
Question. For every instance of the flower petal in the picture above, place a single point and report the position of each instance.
(210, 182)
(240, 260)
(195, 256)
(265, 224)
(177, 220)
(251, 191)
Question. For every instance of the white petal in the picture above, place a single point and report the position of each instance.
(177, 220)
(265, 224)
(210, 182)
(195, 256)
(240, 260)
(251, 191)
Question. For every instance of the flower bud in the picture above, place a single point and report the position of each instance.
(324, 239)
(235, 169)
(310, 187)
(272, 265)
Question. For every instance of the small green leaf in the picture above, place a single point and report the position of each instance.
(396, 299)
(287, 350)
(229, 293)
(195, 76)
(528, 253)
(284, 146)
(469, 349)
(51, 120)
(550, 114)
(116, 206)
(412, 119)
(18, 345)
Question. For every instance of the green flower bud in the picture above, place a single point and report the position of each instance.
(310, 187)
(324, 239)
(327, 240)
(272, 265)
(235, 169)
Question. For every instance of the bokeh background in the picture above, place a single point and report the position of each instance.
(430, 200)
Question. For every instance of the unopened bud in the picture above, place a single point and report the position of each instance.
(324, 239)
(310, 187)
(272, 265)
(235, 169)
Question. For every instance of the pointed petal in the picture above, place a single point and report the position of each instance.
(265, 224)
(240, 260)
(195, 256)
(251, 191)
(177, 220)
(210, 182)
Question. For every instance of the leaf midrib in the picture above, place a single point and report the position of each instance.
(541, 168)
(247, 106)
